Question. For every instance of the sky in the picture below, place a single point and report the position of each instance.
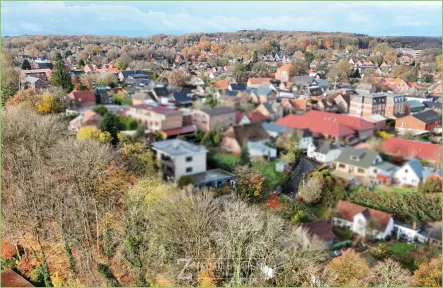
(146, 18)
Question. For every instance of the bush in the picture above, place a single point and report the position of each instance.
(185, 180)
(127, 123)
(341, 245)
(299, 217)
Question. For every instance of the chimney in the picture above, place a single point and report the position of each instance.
(414, 225)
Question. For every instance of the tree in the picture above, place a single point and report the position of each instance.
(237, 70)
(101, 110)
(245, 158)
(309, 57)
(10, 77)
(92, 133)
(48, 103)
(431, 185)
(311, 190)
(28, 96)
(185, 181)
(328, 43)
(139, 160)
(382, 48)
(429, 274)
(178, 78)
(297, 68)
(110, 124)
(349, 269)
(254, 56)
(389, 273)
(249, 184)
(60, 77)
(339, 71)
(408, 135)
(262, 67)
(26, 65)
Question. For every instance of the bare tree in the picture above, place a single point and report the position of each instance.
(390, 273)
(311, 190)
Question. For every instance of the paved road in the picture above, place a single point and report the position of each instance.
(304, 166)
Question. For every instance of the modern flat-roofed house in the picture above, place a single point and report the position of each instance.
(180, 158)
(206, 119)
(363, 221)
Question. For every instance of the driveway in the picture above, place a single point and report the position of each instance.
(304, 166)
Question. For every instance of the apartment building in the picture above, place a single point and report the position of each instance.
(156, 118)
(385, 104)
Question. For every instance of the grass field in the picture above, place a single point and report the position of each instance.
(399, 249)
(268, 170)
(319, 211)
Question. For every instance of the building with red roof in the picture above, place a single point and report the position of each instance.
(330, 125)
(156, 118)
(412, 149)
(80, 99)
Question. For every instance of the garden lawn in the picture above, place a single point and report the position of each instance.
(399, 249)
(387, 189)
(267, 169)
(318, 211)
(223, 161)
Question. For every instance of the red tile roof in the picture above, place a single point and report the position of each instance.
(326, 123)
(258, 80)
(85, 96)
(10, 278)
(412, 149)
(179, 131)
(321, 228)
(256, 116)
(239, 116)
(224, 84)
(348, 210)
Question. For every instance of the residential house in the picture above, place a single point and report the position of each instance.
(179, 158)
(405, 59)
(263, 95)
(241, 118)
(283, 73)
(273, 130)
(365, 164)
(329, 125)
(80, 99)
(435, 89)
(437, 176)
(234, 99)
(410, 233)
(237, 87)
(411, 149)
(365, 89)
(87, 118)
(161, 95)
(320, 230)
(34, 83)
(398, 85)
(414, 106)
(434, 236)
(326, 105)
(156, 118)
(298, 106)
(257, 82)
(323, 151)
(44, 74)
(343, 102)
(124, 74)
(207, 119)
(363, 221)
(413, 173)
(90, 68)
(286, 86)
(310, 85)
(256, 117)
(422, 121)
(101, 93)
(236, 136)
(272, 111)
(258, 150)
(304, 137)
(181, 99)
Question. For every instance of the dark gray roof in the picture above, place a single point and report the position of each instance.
(126, 73)
(238, 86)
(360, 157)
(435, 233)
(302, 80)
(268, 107)
(181, 97)
(219, 110)
(303, 133)
(161, 92)
(324, 147)
(433, 105)
(429, 116)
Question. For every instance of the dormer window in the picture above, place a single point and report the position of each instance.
(355, 158)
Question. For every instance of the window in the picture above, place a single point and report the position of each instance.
(406, 170)
(204, 122)
(360, 222)
(341, 165)
(189, 170)
(360, 170)
(375, 171)
(189, 159)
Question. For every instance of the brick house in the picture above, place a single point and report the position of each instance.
(34, 83)
(80, 99)
(236, 136)
(156, 118)
(257, 82)
(283, 73)
(425, 121)
(435, 89)
(263, 95)
(205, 119)
(272, 111)
(87, 118)
(385, 104)
(412, 149)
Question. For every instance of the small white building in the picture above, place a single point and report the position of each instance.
(179, 158)
(304, 138)
(363, 221)
(323, 151)
(412, 173)
(259, 149)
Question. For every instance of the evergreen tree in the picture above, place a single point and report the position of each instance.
(110, 124)
(60, 77)
(98, 97)
(254, 57)
(244, 155)
(26, 65)
(81, 63)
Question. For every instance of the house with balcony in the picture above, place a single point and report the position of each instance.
(179, 158)
(206, 119)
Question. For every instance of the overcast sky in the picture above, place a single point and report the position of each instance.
(146, 18)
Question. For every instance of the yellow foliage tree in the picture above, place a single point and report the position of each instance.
(384, 135)
(47, 104)
(57, 281)
(91, 132)
(429, 274)
(347, 270)
(206, 278)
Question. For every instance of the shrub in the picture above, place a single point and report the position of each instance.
(341, 245)
(299, 217)
(127, 123)
(185, 180)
